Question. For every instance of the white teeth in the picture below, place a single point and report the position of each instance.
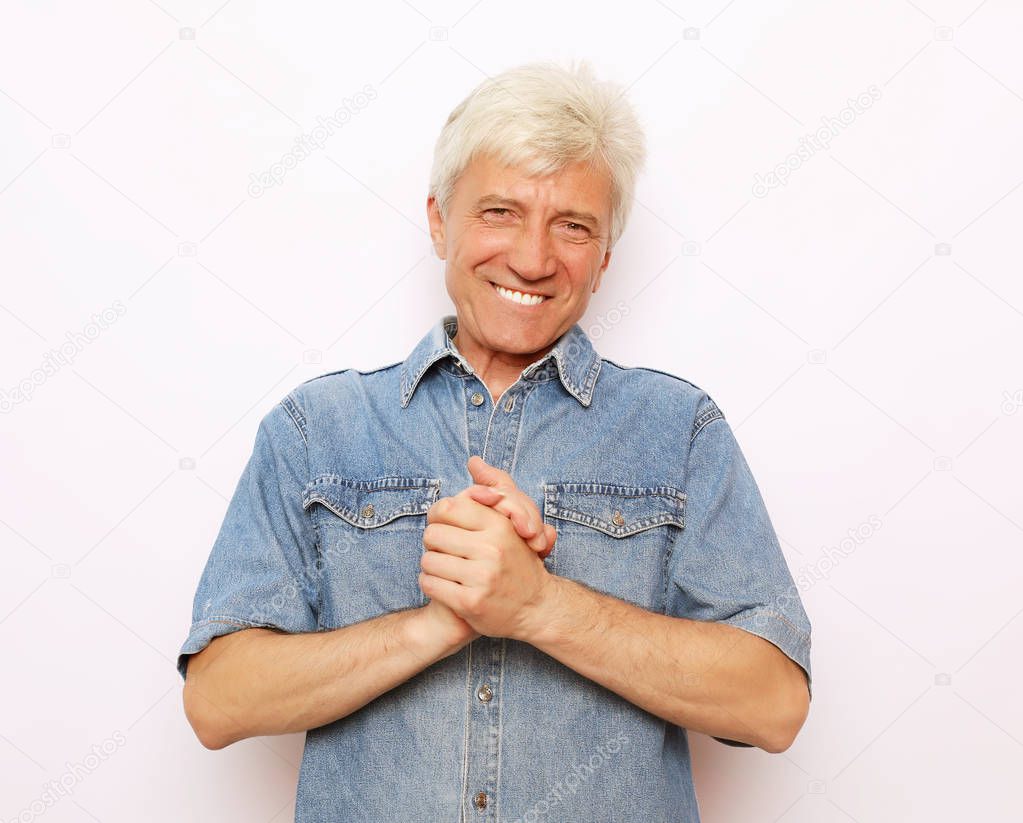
(519, 297)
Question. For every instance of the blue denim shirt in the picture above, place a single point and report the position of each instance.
(653, 502)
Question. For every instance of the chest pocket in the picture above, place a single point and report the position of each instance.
(616, 539)
(370, 540)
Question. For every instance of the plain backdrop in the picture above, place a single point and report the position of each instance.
(858, 317)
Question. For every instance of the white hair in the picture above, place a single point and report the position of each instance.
(541, 117)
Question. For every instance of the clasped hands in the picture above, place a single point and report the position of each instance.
(483, 565)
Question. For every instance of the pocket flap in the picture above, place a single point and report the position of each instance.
(616, 510)
(372, 503)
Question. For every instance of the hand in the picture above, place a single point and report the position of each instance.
(447, 626)
(511, 502)
(478, 564)
(494, 488)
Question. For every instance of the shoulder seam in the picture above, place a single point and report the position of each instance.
(325, 374)
(295, 413)
(353, 368)
(705, 418)
(651, 369)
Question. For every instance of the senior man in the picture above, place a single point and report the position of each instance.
(500, 579)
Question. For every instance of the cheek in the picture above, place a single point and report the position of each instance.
(476, 247)
(582, 264)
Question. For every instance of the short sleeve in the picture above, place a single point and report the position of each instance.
(260, 569)
(727, 565)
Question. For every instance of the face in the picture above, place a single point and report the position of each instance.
(543, 237)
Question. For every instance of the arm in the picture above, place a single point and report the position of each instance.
(692, 665)
(710, 677)
(260, 681)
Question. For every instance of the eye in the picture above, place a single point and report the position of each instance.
(577, 227)
(493, 210)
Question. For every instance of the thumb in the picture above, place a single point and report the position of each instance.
(483, 473)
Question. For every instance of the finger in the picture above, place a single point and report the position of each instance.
(487, 495)
(461, 510)
(448, 567)
(516, 507)
(444, 591)
(483, 472)
(552, 536)
(452, 540)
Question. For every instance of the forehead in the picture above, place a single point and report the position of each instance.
(577, 185)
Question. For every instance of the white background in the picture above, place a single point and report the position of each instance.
(868, 370)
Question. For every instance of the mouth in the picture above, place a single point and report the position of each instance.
(522, 298)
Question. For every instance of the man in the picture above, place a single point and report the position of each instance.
(500, 579)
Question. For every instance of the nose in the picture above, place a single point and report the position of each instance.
(532, 254)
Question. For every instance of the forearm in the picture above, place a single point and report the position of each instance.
(709, 677)
(262, 682)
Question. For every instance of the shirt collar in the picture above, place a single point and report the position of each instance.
(572, 358)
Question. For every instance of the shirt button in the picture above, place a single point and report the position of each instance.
(367, 510)
(480, 800)
(476, 398)
(485, 693)
(509, 404)
(617, 519)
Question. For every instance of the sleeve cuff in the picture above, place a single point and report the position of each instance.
(201, 633)
(781, 632)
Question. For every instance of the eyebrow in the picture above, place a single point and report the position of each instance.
(489, 200)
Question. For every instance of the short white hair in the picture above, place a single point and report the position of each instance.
(541, 116)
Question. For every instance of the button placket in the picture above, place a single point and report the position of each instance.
(493, 436)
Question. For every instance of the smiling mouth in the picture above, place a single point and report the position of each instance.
(522, 298)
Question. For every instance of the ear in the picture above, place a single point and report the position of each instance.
(436, 227)
(600, 272)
